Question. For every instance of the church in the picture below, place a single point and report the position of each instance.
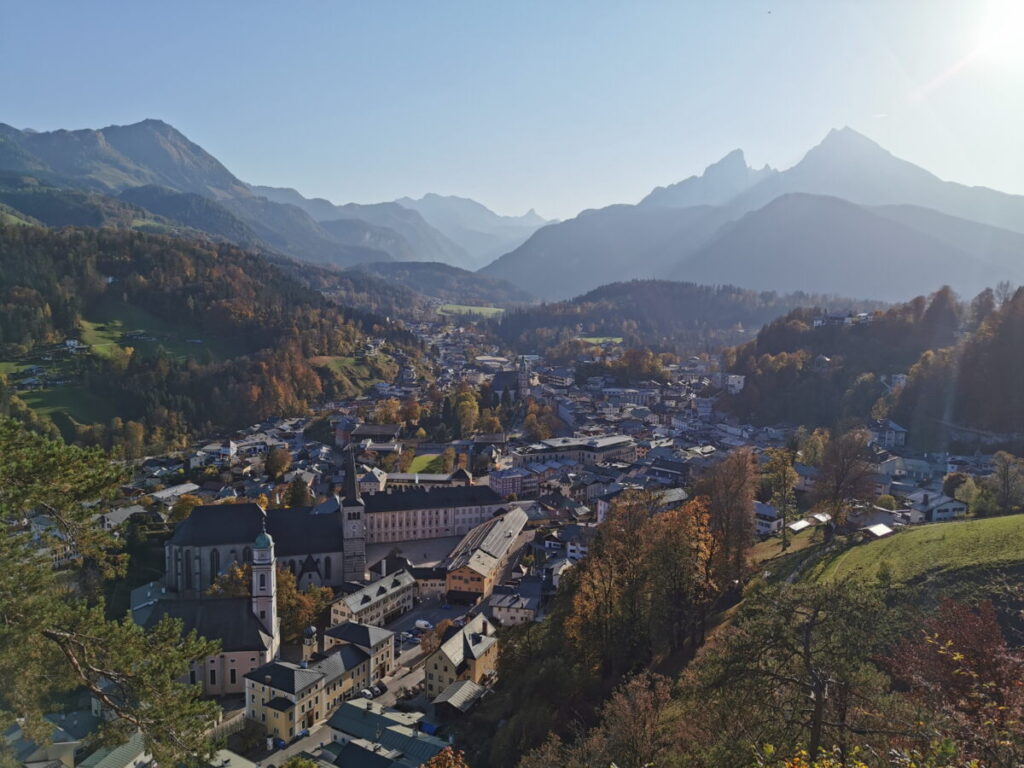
(248, 628)
(323, 545)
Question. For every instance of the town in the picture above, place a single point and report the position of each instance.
(412, 555)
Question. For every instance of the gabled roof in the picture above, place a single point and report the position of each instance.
(295, 531)
(285, 676)
(228, 619)
(362, 635)
(339, 661)
(468, 642)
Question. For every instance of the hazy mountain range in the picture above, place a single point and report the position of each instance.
(849, 218)
(153, 166)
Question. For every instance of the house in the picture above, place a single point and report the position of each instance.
(936, 507)
(805, 477)
(458, 698)
(465, 653)
(287, 698)
(887, 433)
(477, 562)
(365, 730)
(67, 743)
(767, 519)
(519, 604)
(379, 602)
(377, 643)
(130, 754)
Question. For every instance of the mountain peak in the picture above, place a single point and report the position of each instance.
(720, 182)
(846, 139)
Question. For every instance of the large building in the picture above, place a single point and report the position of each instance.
(581, 450)
(377, 643)
(324, 545)
(477, 562)
(247, 627)
(286, 698)
(379, 602)
(466, 653)
(428, 513)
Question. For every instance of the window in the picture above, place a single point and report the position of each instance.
(233, 677)
(192, 676)
(188, 569)
(214, 563)
(213, 677)
(247, 555)
(263, 581)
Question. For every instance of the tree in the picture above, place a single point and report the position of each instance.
(279, 460)
(795, 669)
(296, 609)
(780, 478)
(534, 429)
(448, 459)
(298, 761)
(54, 639)
(632, 732)
(298, 494)
(183, 507)
(886, 501)
(952, 482)
(729, 488)
(1006, 483)
(846, 474)
(961, 668)
(410, 412)
(430, 641)
(447, 758)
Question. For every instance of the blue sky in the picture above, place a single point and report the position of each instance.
(553, 105)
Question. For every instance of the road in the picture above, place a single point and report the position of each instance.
(431, 609)
(317, 738)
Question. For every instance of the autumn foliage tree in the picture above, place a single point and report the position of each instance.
(729, 488)
(961, 668)
(297, 609)
(846, 475)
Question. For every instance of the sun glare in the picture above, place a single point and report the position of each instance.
(1001, 37)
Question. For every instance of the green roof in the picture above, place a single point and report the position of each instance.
(117, 757)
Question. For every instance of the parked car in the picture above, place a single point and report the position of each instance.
(423, 624)
(383, 688)
(366, 693)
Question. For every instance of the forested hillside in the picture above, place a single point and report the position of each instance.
(670, 316)
(807, 369)
(225, 335)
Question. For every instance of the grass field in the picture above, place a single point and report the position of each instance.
(66, 405)
(7, 367)
(465, 309)
(932, 550)
(427, 463)
(354, 370)
(601, 339)
(106, 324)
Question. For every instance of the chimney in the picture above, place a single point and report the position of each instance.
(267, 679)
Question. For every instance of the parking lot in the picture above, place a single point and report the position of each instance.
(431, 609)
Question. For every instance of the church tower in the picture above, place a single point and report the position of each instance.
(353, 521)
(264, 585)
(523, 378)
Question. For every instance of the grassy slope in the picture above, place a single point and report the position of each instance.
(106, 323)
(465, 309)
(934, 550)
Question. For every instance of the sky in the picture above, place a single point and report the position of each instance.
(556, 106)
